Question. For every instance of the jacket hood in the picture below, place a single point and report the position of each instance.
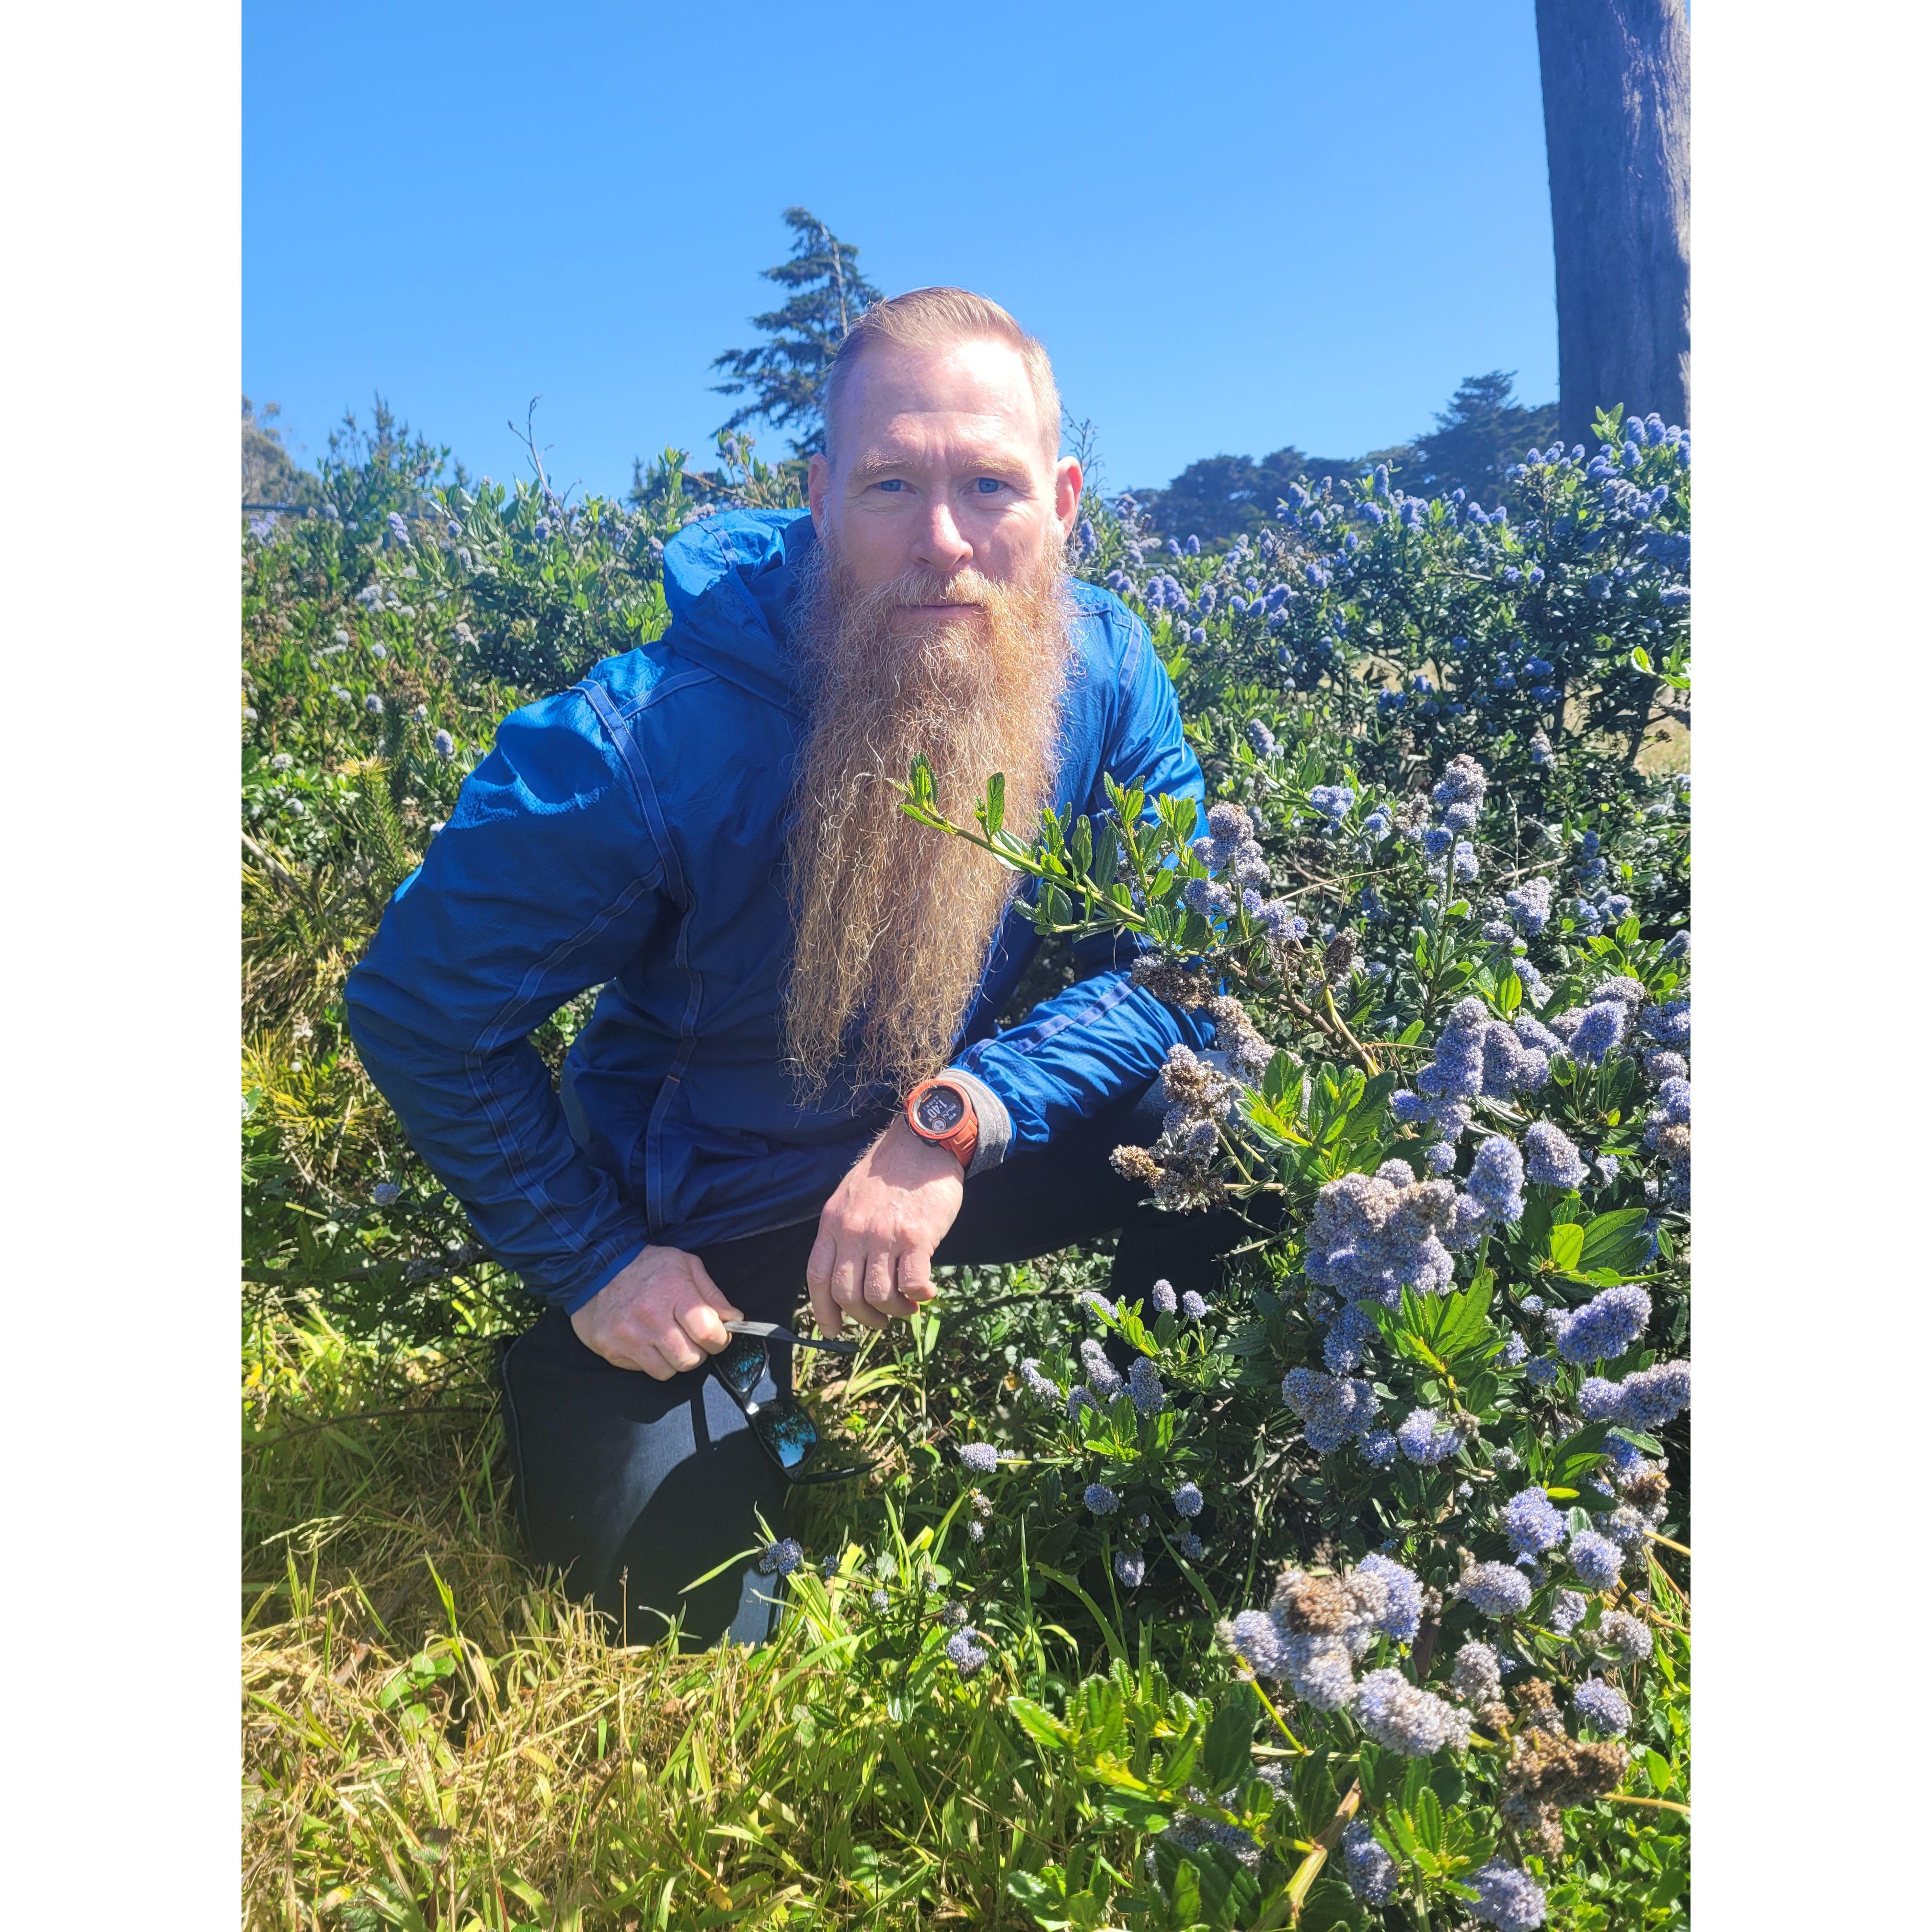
(729, 581)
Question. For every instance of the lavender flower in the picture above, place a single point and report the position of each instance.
(1496, 1175)
(1401, 1616)
(1188, 1500)
(1604, 1327)
(1163, 1297)
(1645, 1401)
(1495, 1589)
(1402, 1718)
(1192, 1307)
(1550, 1157)
(1602, 1706)
(1130, 1566)
(1533, 1522)
(1101, 1500)
(1101, 1376)
(1596, 1559)
(1144, 1385)
(1567, 1611)
(1507, 1897)
(1478, 1678)
(968, 1655)
(1425, 1438)
(982, 1458)
(1598, 1032)
(1037, 1384)
(781, 1558)
(1628, 1636)
(1371, 1870)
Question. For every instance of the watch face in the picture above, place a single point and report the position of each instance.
(941, 1110)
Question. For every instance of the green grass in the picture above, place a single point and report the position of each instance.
(435, 1736)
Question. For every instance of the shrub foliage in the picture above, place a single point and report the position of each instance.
(1353, 1593)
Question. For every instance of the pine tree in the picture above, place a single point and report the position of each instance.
(1484, 430)
(786, 375)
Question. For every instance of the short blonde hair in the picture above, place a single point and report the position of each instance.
(928, 319)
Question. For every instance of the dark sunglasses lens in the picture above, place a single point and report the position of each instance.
(741, 1366)
(787, 1431)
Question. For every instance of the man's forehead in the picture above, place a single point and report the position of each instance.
(977, 393)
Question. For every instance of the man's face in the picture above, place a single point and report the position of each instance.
(933, 620)
(943, 471)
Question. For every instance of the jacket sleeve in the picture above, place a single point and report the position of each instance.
(1103, 1037)
(545, 881)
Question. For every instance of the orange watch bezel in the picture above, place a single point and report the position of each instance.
(962, 1139)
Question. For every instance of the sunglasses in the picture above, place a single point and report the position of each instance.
(783, 1426)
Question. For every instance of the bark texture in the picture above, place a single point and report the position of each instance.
(1616, 117)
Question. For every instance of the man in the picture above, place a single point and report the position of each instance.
(708, 827)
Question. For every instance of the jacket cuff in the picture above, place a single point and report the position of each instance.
(576, 1297)
(996, 1124)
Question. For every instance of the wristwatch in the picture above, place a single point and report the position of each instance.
(941, 1111)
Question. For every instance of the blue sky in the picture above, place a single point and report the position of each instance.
(1234, 226)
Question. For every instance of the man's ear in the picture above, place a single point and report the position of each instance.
(1067, 484)
(817, 486)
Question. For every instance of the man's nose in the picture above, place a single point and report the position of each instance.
(940, 546)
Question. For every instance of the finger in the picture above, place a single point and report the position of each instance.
(915, 1282)
(848, 1287)
(699, 1321)
(653, 1363)
(879, 1277)
(700, 1279)
(818, 1285)
(678, 1349)
(848, 1290)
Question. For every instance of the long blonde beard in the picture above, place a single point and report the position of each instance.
(893, 921)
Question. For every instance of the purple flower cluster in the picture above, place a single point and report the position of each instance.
(1596, 1559)
(1496, 1589)
(1424, 1438)
(1332, 1408)
(1645, 1401)
(1604, 1327)
(1373, 1235)
(1507, 1897)
(1370, 1868)
(1401, 1717)
(1602, 1706)
(1550, 1157)
(1533, 1523)
(1528, 906)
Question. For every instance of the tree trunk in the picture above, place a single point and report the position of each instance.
(1616, 118)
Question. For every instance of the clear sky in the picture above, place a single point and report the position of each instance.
(1234, 226)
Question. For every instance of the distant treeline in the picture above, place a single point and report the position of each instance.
(1483, 431)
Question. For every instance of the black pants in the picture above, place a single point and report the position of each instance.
(636, 1487)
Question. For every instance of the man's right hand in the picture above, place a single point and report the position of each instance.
(664, 1314)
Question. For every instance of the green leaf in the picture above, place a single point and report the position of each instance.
(995, 815)
(1039, 1722)
(1576, 1455)
(1228, 1750)
(1614, 1241)
(1566, 1246)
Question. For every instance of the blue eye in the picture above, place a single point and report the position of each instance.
(986, 485)
(891, 483)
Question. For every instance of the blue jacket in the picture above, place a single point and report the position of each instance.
(627, 834)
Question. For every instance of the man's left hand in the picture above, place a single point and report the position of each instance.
(873, 1258)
